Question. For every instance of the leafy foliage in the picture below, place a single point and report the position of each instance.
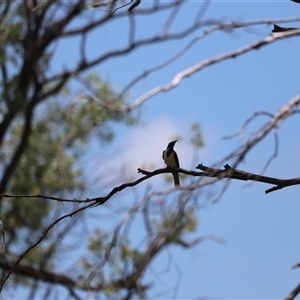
(45, 128)
(49, 166)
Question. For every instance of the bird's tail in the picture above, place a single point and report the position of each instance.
(176, 178)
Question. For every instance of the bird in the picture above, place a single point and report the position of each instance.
(171, 160)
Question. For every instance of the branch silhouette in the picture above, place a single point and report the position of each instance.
(227, 172)
(211, 61)
(215, 26)
(293, 293)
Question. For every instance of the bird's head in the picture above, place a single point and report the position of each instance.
(171, 144)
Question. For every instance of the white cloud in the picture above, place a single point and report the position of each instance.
(144, 145)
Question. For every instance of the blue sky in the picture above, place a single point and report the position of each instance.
(260, 231)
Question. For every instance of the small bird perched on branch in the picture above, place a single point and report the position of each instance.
(171, 160)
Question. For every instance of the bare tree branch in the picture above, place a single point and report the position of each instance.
(227, 172)
(293, 294)
(192, 243)
(214, 28)
(40, 239)
(284, 112)
(296, 266)
(118, 52)
(134, 5)
(19, 151)
(42, 275)
(101, 20)
(211, 61)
